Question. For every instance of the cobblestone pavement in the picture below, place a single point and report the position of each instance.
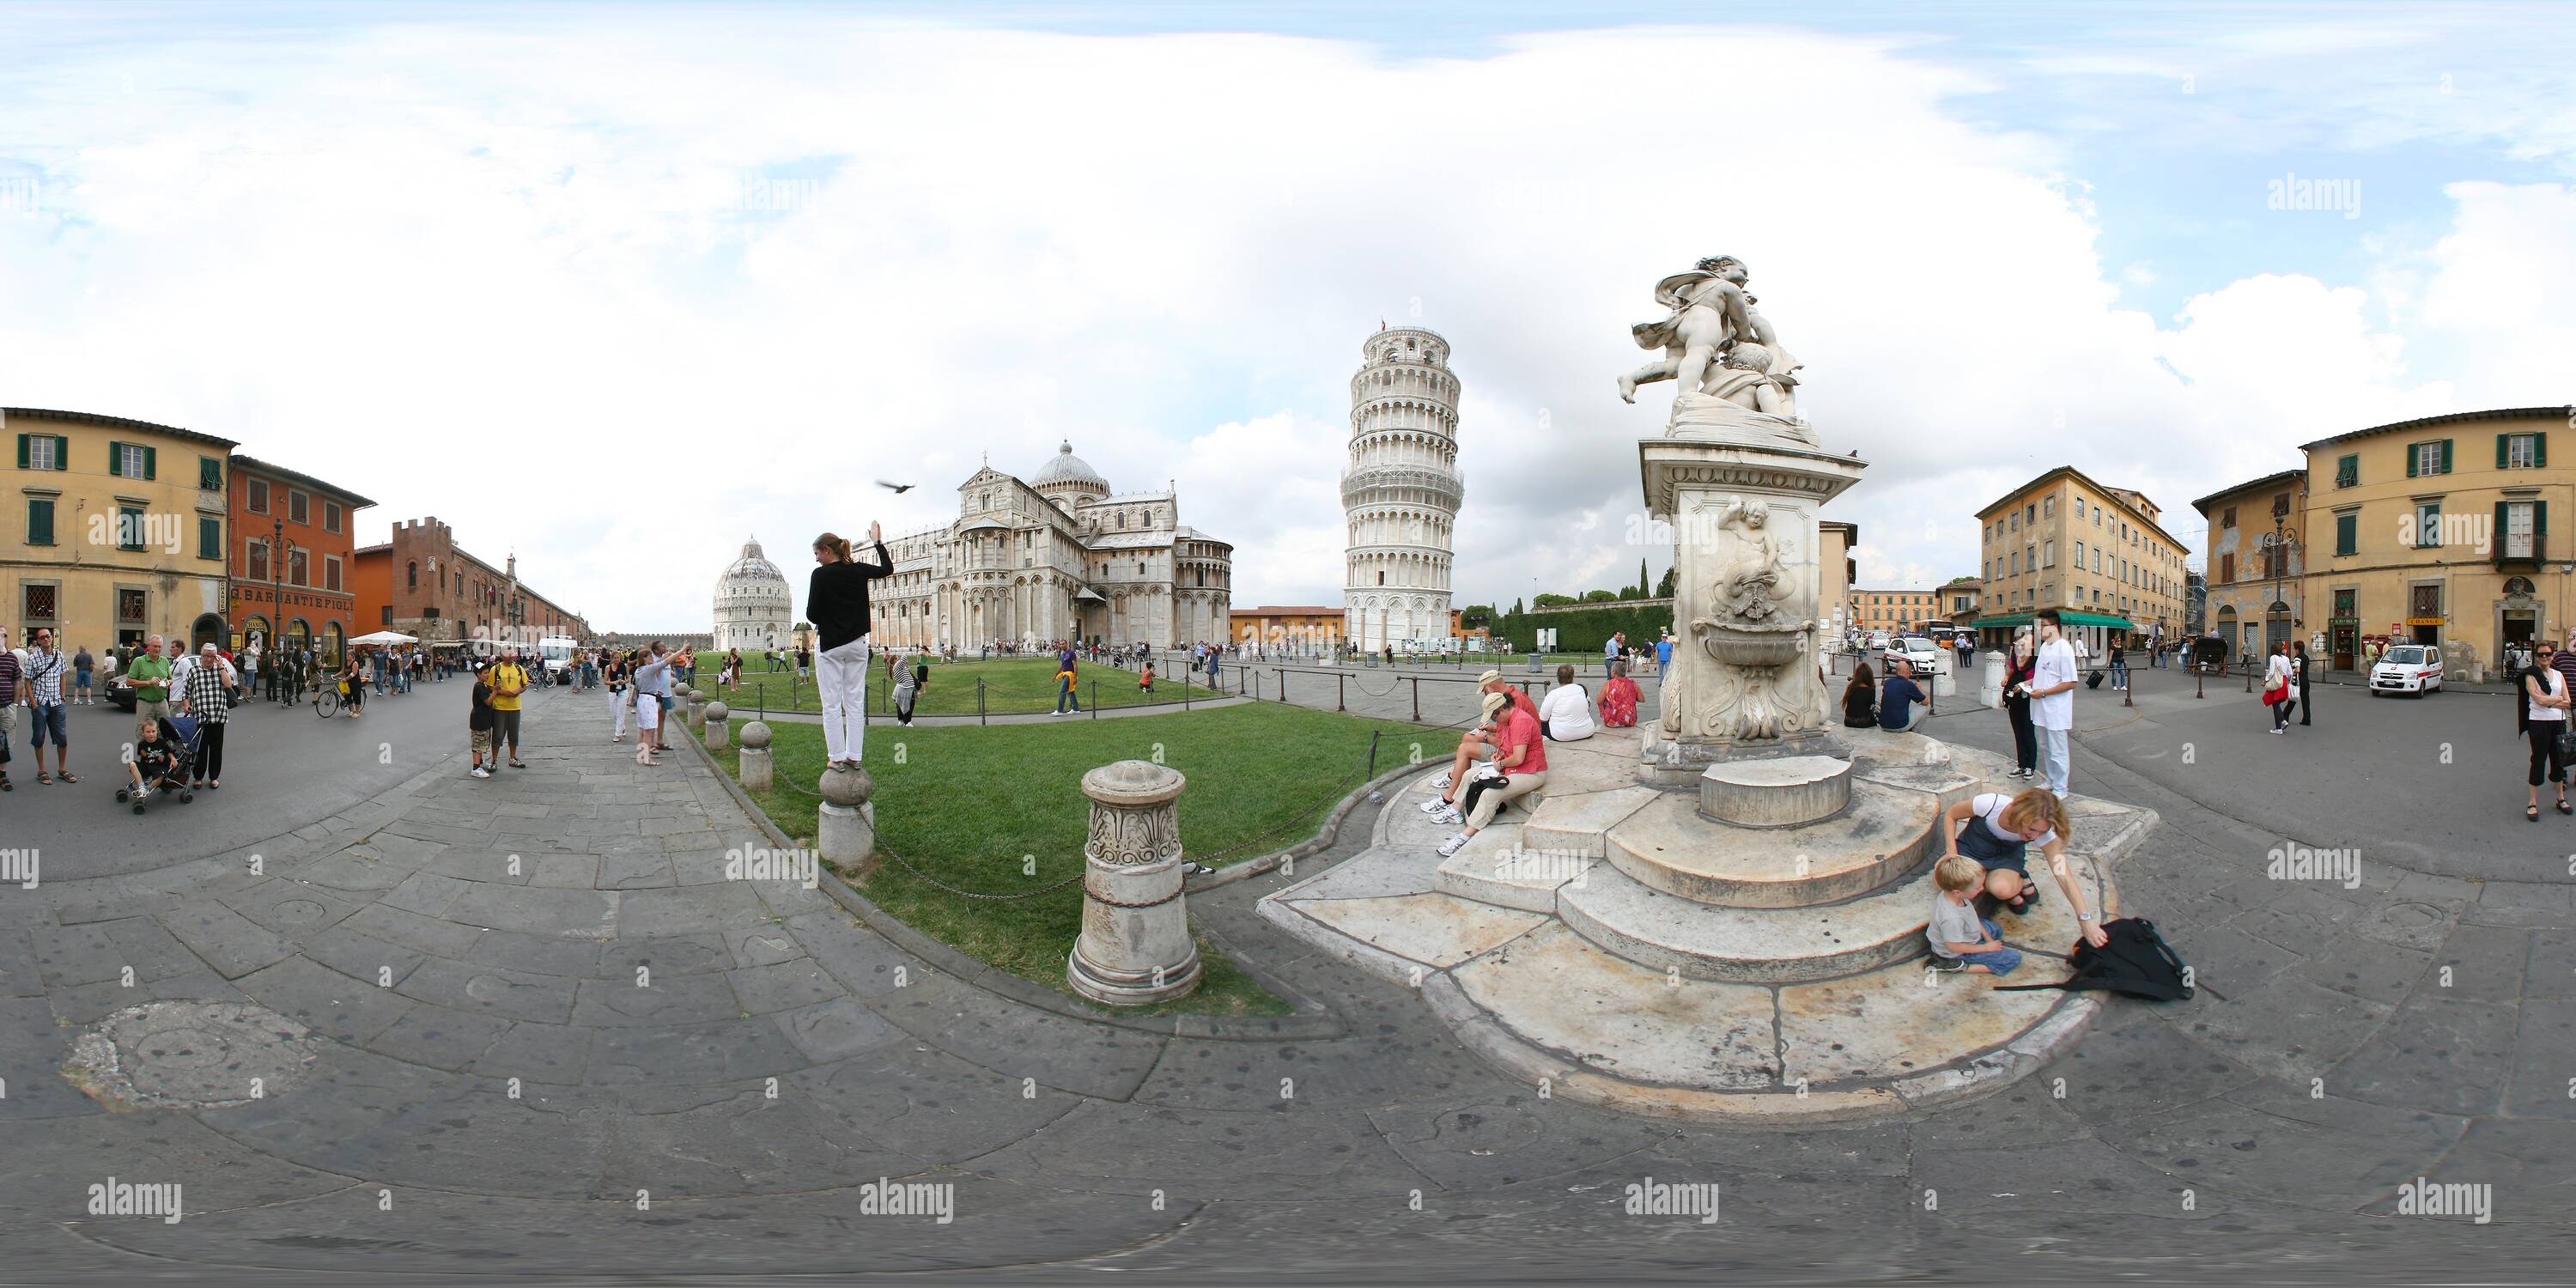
(525, 1027)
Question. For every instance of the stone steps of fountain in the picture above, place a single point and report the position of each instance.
(1793, 945)
(1881, 838)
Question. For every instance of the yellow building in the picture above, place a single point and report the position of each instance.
(2256, 562)
(2437, 531)
(2098, 554)
(118, 530)
(1895, 611)
(1835, 541)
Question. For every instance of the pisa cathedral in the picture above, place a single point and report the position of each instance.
(1057, 556)
(1401, 491)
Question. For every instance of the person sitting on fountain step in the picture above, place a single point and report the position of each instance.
(1490, 724)
(1524, 766)
(1997, 830)
(1903, 696)
(1961, 940)
(1860, 699)
(1566, 715)
(1476, 744)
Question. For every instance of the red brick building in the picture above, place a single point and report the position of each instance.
(422, 583)
(310, 593)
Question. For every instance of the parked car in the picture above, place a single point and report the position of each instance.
(2407, 668)
(1878, 639)
(1919, 650)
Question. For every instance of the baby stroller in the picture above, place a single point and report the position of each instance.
(164, 764)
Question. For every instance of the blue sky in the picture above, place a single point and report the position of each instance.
(845, 242)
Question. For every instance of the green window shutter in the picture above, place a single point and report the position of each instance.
(2498, 536)
(2347, 533)
(2414, 456)
(62, 452)
(2446, 456)
(22, 450)
(2540, 449)
(40, 522)
(210, 538)
(115, 458)
(2540, 518)
(152, 460)
(2504, 445)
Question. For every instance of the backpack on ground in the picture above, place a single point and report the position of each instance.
(2134, 961)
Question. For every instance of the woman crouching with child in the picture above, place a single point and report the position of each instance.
(1997, 830)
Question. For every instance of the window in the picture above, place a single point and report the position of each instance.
(2227, 517)
(210, 474)
(129, 527)
(330, 516)
(2016, 563)
(2519, 524)
(297, 570)
(2429, 457)
(330, 572)
(2425, 601)
(132, 461)
(411, 575)
(258, 490)
(39, 600)
(210, 537)
(2428, 524)
(44, 452)
(131, 604)
(2079, 554)
(2048, 507)
(2227, 567)
(2030, 514)
(2521, 451)
(255, 560)
(40, 521)
(299, 507)
(2048, 554)
(2348, 470)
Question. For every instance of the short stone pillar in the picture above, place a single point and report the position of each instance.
(1136, 946)
(719, 723)
(1990, 688)
(845, 829)
(755, 766)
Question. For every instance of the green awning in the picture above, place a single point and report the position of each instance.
(2066, 617)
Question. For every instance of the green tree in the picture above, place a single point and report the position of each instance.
(1551, 600)
(1516, 608)
(1475, 615)
(1664, 588)
(1601, 597)
(1643, 580)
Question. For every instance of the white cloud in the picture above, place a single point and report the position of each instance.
(689, 279)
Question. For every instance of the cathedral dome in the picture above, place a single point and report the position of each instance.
(753, 602)
(1068, 468)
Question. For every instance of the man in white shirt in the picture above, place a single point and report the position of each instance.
(1565, 714)
(2052, 699)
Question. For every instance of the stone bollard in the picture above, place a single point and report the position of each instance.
(1135, 947)
(1990, 687)
(845, 828)
(719, 718)
(755, 763)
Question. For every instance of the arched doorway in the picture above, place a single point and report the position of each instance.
(2227, 630)
(333, 643)
(208, 629)
(255, 627)
(299, 635)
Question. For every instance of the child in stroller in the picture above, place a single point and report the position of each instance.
(163, 750)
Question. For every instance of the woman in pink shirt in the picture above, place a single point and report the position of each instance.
(1523, 760)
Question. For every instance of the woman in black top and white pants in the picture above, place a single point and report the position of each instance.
(836, 601)
(2545, 705)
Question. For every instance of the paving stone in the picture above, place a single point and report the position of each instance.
(2224, 1147)
(2367, 969)
(2304, 919)
(539, 954)
(431, 935)
(2445, 1054)
(483, 989)
(666, 1001)
(363, 957)
(579, 914)
(664, 1055)
(224, 939)
(483, 865)
(2290, 1029)
(735, 1140)
(2480, 964)
(1090, 1059)
(687, 910)
(428, 894)
(566, 871)
(782, 986)
(764, 945)
(18, 974)
(439, 1037)
(1212, 1153)
(634, 871)
(676, 955)
(87, 954)
(537, 1053)
(864, 961)
(298, 909)
(835, 1030)
(331, 1004)
(2524, 905)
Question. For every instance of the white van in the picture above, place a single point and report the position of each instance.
(556, 651)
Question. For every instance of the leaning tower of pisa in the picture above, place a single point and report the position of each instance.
(1400, 491)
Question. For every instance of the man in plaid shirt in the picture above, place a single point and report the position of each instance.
(206, 694)
(9, 674)
(47, 718)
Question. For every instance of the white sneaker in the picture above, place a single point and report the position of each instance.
(1442, 783)
(1456, 842)
(480, 772)
(1449, 814)
(1434, 805)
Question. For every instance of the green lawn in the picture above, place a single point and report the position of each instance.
(999, 809)
(1012, 686)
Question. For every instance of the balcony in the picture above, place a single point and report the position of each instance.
(2521, 553)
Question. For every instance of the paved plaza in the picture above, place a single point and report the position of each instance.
(525, 1027)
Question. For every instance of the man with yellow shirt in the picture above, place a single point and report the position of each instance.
(508, 680)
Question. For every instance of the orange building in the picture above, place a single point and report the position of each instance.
(310, 594)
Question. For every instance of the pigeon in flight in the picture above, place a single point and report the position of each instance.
(897, 488)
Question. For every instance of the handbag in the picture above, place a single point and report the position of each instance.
(2566, 741)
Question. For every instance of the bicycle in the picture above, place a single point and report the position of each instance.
(326, 700)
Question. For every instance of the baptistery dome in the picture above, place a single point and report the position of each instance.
(754, 604)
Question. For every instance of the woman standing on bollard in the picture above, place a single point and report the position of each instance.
(836, 601)
(2019, 668)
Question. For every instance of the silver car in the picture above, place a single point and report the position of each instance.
(1922, 652)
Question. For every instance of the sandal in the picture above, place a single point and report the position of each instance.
(2532, 813)
(2563, 807)
(68, 776)
(43, 777)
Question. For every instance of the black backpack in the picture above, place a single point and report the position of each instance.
(2135, 961)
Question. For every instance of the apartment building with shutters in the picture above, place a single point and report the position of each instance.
(118, 530)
